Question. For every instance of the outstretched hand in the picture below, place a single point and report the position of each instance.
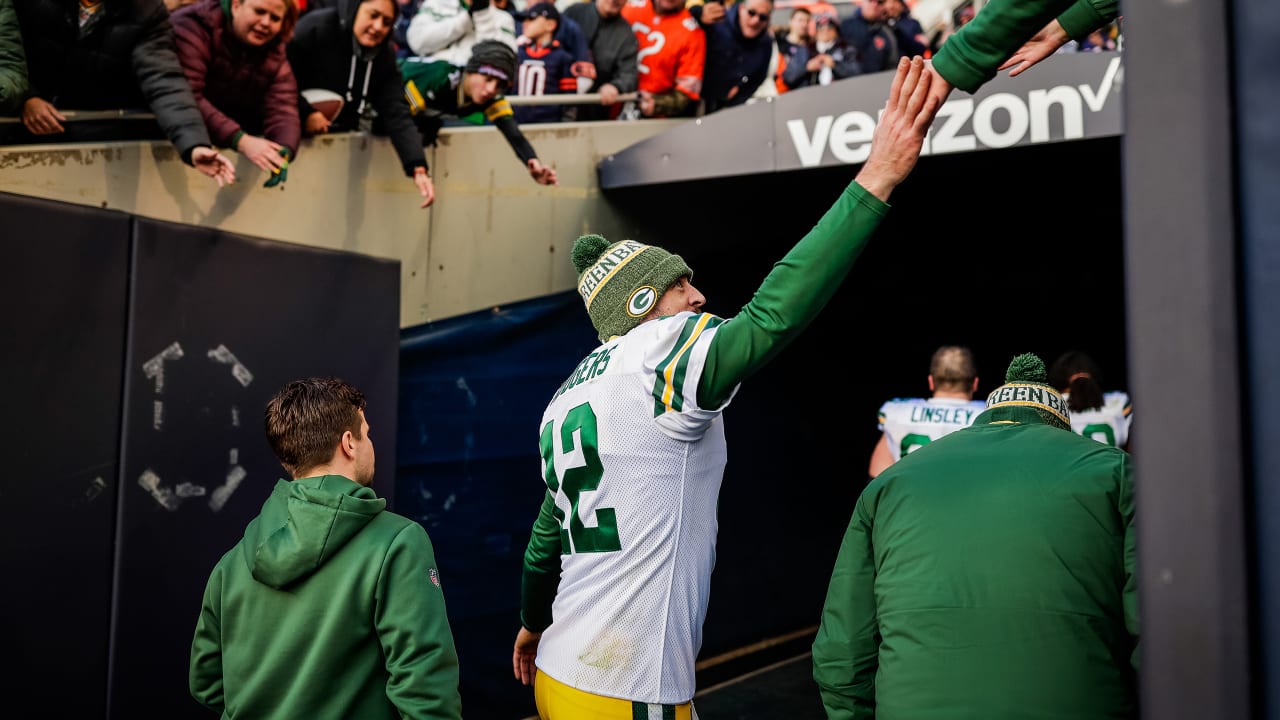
(1040, 46)
(896, 143)
(426, 188)
(939, 88)
(526, 651)
(541, 174)
(214, 164)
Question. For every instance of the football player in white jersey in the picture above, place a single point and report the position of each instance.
(618, 568)
(908, 424)
(1103, 416)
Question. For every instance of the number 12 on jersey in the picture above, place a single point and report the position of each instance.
(578, 429)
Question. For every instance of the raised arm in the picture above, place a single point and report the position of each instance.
(803, 281)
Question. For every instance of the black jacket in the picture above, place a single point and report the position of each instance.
(324, 54)
(124, 58)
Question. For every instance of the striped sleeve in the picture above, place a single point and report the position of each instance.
(672, 372)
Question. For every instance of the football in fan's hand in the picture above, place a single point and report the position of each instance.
(326, 102)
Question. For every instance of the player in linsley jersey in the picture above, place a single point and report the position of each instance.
(618, 567)
(673, 50)
(1103, 416)
(909, 424)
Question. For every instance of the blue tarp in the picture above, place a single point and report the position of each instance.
(472, 391)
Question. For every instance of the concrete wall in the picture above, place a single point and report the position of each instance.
(493, 236)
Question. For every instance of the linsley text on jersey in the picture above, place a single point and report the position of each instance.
(949, 416)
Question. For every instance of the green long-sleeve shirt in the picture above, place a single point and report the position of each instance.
(987, 576)
(969, 58)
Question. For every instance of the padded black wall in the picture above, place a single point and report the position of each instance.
(64, 336)
(282, 311)
(109, 520)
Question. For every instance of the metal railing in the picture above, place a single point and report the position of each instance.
(516, 100)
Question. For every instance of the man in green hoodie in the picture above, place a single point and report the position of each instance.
(330, 606)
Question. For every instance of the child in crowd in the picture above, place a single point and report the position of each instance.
(546, 68)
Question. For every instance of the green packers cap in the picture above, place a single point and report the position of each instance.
(1027, 385)
(621, 282)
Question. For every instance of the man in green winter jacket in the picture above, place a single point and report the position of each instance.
(1012, 35)
(13, 61)
(989, 575)
(330, 607)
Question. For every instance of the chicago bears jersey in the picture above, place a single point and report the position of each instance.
(1108, 424)
(634, 463)
(673, 49)
(909, 424)
(543, 71)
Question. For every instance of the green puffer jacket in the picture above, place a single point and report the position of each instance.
(987, 576)
(13, 62)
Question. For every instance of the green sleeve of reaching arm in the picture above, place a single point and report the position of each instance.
(1085, 16)
(541, 576)
(969, 58)
(846, 649)
(797, 288)
(413, 629)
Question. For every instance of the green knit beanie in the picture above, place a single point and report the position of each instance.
(1027, 385)
(621, 282)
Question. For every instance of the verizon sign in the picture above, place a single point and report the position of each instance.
(1066, 97)
(991, 119)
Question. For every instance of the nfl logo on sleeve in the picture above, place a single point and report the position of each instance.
(435, 577)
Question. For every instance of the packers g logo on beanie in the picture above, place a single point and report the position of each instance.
(620, 283)
(642, 301)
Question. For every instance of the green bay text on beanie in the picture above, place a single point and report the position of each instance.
(1027, 385)
(620, 283)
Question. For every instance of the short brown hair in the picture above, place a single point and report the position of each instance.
(306, 419)
(952, 368)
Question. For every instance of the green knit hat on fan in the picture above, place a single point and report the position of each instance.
(1027, 385)
(621, 282)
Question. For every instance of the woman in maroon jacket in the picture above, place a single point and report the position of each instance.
(233, 53)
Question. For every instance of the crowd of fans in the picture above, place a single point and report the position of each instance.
(257, 76)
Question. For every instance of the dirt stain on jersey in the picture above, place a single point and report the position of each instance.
(608, 651)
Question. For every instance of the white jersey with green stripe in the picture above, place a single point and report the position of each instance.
(911, 423)
(634, 464)
(1108, 424)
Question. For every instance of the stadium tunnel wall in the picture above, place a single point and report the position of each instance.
(138, 364)
(493, 236)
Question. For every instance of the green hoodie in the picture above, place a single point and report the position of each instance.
(329, 607)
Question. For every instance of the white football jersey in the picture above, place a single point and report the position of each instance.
(1108, 424)
(635, 464)
(912, 423)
